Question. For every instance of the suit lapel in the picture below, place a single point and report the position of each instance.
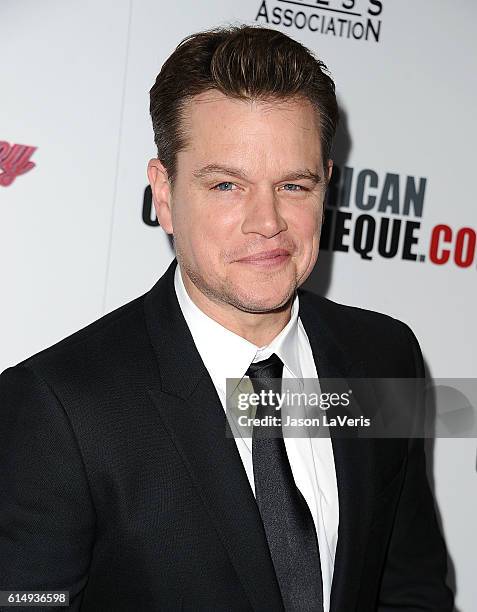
(354, 459)
(193, 415)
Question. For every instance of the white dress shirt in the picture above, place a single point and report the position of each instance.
(228, 355)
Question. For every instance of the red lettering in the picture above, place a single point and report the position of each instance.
(440, 232)
(465, 249)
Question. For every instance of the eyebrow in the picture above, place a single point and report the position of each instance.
(293, 175)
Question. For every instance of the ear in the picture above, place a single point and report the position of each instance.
(330, 169)
(161, 193)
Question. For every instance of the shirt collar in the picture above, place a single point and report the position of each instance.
(228, 355)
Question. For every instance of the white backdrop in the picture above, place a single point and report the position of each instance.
(74, 82)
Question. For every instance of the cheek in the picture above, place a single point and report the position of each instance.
(217, 227)
(305, 225)
(207, 229)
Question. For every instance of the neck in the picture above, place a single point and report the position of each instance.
(259, 328)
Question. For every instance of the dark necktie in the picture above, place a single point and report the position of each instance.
(285, 514)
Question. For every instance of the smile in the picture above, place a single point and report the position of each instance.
(273, 258)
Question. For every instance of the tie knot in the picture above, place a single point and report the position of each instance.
(268, 368)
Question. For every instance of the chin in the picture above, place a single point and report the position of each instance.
(264, 302)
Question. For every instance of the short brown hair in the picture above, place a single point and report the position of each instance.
(243, 62)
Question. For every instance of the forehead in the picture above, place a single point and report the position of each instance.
(213, 104)
(264, 129)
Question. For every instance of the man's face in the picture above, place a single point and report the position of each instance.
(247, 202)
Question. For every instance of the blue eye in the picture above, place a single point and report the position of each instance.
(299, 187)
(225, 186)
(228, 186)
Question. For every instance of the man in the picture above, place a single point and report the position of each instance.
(118, 482)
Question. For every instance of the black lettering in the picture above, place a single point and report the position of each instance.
(341, 231)
(300, 14)
(370, 26)
(309, 22)
(346, 187)
(341, 22)
(331, 27)
(414, 196)
(357, 31)
(390, 194)
(148, 213)
(384, 249)
(365, 226)
(262, 11)
(378, 10)
(328, 216)
(287, 14)
(410, 240)
(360, 187)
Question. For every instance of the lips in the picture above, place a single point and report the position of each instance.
(265, 256)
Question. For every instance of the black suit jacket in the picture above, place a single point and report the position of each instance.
(118, 484)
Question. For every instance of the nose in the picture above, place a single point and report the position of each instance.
(262, 215)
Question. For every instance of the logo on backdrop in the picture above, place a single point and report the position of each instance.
(354, 19)
(14, 160)
(379, 216)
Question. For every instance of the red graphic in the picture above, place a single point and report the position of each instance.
(14, 160)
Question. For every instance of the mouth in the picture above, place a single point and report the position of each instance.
(273, 258)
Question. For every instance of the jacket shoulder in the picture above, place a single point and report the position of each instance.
(352, 317)
(371, 335)
(105, 343)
